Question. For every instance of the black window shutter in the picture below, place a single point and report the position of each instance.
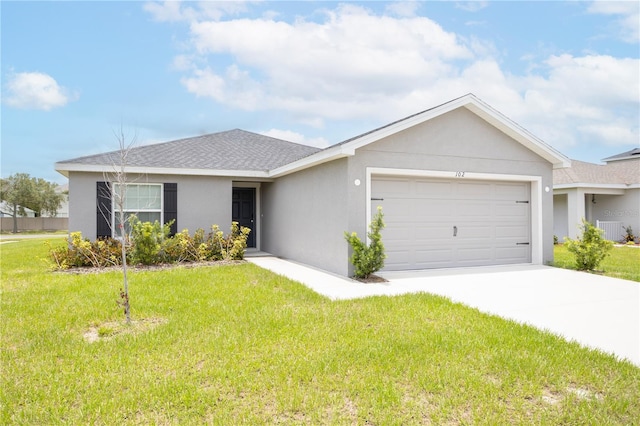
(103, 210)
(171, 206)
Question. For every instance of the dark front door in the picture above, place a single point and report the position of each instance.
(244, 211)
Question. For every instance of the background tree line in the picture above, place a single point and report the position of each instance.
(20, 192)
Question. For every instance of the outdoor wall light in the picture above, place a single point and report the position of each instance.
(357, 182)
(547, 189)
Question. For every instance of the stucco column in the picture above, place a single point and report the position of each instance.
(575, 211)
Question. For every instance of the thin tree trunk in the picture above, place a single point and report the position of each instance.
(127, 312)
(15, 219)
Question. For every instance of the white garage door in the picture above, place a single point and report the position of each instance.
(438, 223)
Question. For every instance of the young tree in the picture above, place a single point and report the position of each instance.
(116, 190)
(21, 191)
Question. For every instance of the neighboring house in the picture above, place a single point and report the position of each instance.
(460, 185)
(607, 195)
(6, 209)
(63, 209)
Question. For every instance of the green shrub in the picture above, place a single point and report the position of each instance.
(368, 259)
(146, 241)
(590, 249)
(231, 247)
(182, 247)
(628, 235)
(150, 244)
(81, 252)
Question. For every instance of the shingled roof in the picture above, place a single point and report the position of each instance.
(230, 150)
(614, 173)
(629, 155)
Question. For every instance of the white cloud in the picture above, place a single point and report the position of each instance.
(35, 90)
(291, 136)
(472, 6)
(403, 8)
(355, 65)
(627, 26)
(582, 99)
(235, 87)
(339, 68)
(176, 10)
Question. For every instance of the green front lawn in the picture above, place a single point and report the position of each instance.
(239, 345)
(622, 262)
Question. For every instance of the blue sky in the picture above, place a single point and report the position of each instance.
(309, 72)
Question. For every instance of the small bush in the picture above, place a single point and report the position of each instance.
(180, 248)
(81, 252)
(233, 246)
(150, 244)
(146, 241)
(590, 249)
(368, 259)
(628, 236)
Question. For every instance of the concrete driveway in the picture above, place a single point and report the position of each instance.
(598, 312)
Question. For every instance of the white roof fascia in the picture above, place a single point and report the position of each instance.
(617, 188)
(470, 102)
(65, 168)
(324, 156)
(515, 131)
(409, 122)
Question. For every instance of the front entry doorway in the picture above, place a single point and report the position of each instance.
(244, 211)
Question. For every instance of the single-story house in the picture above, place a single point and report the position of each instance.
(460, 184)
(607, 195)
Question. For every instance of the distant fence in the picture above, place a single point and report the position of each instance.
(35, 224)
(612, 230)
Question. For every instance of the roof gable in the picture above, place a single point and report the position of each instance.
(470, 102)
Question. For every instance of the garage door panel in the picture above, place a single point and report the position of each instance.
(512, 209)
(472, 231)
(393, 186)
(517, 231)
(511, 191)
(431, 189)
(466, 208)
(511, 254)
(473, 191)
(436, 258)
(475, 255)
(492, 218)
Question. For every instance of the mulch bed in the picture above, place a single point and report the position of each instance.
(371, 279)
(138, 268)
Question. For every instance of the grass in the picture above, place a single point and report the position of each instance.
(240, 345)
(9, 233)
(622, 262)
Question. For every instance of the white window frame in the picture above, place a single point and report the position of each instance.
(114, 209)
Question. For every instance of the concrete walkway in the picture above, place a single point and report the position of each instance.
(596, 311)
(17, 237)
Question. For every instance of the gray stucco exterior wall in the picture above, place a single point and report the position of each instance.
(617, 208)
(456, 141)
(304, 216)
(202, 201)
